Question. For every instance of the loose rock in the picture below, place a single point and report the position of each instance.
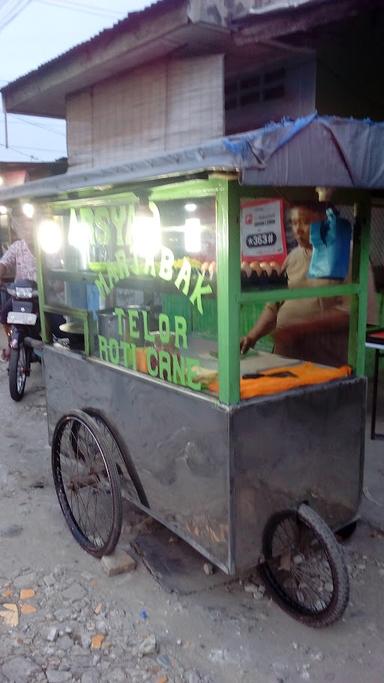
(148, 646)
(52, 634)
(118, 562)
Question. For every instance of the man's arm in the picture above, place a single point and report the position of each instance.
(8, 260)
(265, 324)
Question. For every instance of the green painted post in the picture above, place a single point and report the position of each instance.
(228, 290)
(360, 265)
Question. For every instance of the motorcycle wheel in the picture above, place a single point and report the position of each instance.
(17, 372)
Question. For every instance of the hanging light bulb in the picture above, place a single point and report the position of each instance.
(146, 230)
(28, 210)
(192, 235)
(50, 236)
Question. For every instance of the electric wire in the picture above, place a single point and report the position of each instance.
(37, 125)
(18, 7)
(83, 7)
(38, 149)
(29, 156)
(3, 3)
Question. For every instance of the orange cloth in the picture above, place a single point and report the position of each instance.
(305, 374)
(141, 359)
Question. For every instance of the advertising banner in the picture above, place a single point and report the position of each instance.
(262, 230)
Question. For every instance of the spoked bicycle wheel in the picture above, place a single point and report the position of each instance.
(304, 568)
(86, 483)
(17, 371)
(130, 484)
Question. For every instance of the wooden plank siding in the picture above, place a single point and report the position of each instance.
(158, 107)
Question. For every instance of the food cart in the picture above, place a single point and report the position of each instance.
(147, 396)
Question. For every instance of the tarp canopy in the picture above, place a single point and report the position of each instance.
(314, 150)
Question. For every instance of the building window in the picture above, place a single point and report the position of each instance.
(255, 89)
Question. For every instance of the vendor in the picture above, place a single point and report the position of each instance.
(313, 329)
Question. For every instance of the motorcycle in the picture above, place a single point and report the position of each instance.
(25, 329)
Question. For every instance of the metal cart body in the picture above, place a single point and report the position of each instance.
(215, 474)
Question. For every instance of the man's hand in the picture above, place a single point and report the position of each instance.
(246, 343)
(264, 325)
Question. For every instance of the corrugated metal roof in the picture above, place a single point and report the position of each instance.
(128, 23)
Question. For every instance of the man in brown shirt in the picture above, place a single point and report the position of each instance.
(314, 329)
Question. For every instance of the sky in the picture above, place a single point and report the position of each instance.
(32, 32)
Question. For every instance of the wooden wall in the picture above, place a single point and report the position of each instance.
(158, 107)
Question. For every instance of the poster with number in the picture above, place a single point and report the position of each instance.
(262, 230)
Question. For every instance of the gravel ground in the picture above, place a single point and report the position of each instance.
(63, 619)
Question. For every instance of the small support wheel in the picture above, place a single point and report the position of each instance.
(304, 568)
(87, 483)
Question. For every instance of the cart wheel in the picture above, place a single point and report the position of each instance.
(17, 371)
(130, 484)
(86, 483)
(304, 567)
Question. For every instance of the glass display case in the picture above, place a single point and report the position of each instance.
(168, 280)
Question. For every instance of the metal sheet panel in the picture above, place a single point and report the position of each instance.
(177, 440)
(305, 445)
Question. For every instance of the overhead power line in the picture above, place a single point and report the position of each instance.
(7, 5)
(16, 7)
(83, 7)
(29, 156)
(38, 149)
(38, 125)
